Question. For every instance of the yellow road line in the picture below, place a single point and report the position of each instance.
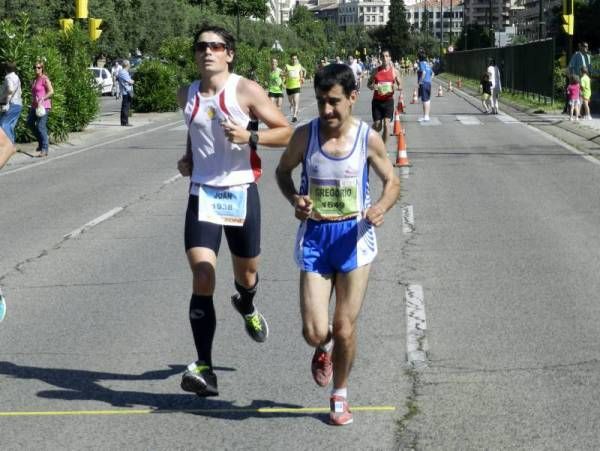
(264, 410)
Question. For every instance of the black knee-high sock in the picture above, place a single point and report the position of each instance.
(247, 295)
(204, 323)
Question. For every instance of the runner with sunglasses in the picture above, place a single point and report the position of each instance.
(223, 165)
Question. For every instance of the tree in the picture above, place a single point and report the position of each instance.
(397, 30)
(308, 28)
(245, 8)
(474, 36)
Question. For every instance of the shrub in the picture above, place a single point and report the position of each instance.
(155, 87)
(65, 57)
(178, 51)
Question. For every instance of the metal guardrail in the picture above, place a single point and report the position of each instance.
(525, 68)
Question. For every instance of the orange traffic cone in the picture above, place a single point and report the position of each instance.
(450, 88)
(415, 99)
(397, 127)
(401, 103)
(401, 155)
(440, 91)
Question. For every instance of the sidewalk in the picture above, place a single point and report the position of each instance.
(105, 127)
(582, 135)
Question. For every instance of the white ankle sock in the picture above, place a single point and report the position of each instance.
(343, 392)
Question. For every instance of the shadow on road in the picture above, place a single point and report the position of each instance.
(84, 385)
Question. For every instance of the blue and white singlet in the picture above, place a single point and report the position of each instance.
(337, 238)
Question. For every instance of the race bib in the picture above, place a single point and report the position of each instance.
(224, 206)
(333, 198)
(294, 73)
(384, 87)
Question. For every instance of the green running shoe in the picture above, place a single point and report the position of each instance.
(200, 379)
(256, 324)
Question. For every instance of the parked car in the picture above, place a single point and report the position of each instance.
(103, 80)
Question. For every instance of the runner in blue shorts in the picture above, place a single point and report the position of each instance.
(335, 243)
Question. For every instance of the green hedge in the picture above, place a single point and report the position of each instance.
(66, 58)
(155, 87)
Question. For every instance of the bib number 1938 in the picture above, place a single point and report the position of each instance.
(224, 206)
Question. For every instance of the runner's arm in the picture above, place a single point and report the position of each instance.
(290, 159)
(398, 80)
(382, 166)
(253, 97)
(184, 165)
(7, 148)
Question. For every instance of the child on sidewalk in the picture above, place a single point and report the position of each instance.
(486, 89)
(586, 93)
(573, 93)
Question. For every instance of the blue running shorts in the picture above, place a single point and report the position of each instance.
(328, 247)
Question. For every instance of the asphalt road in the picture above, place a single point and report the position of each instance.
(487, 267)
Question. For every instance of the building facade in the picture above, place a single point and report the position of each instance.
(450, 10)
(368, 13)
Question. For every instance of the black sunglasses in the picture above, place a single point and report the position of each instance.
(214, 46)
(38, 67)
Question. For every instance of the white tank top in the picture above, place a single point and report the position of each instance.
(339, 187)
(218, 162)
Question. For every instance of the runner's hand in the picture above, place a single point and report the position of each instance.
(234, 132)
(375, 215)
(185, 166)
(302, 207)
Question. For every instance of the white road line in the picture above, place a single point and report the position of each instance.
(505, 118)
(171, 180)
(467, 120)
(182, 127)
(408, 219)
(93, 223)
(85, 149)
(416, 340)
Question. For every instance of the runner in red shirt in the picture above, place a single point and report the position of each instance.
(382, 83)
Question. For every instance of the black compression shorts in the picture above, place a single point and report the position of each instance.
(243, 241)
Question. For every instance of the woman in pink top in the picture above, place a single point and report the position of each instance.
(41, 91)
(573, 93)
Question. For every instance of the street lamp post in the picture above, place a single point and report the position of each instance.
(441, 27)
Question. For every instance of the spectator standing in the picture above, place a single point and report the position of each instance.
(424, 76)
(11, 102)
(114, 72)
(574, 94)
(494, 75)
(126, 88)
(579, 60)
(586, 93)
(41, 92)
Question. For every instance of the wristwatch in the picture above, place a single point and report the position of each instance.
(253, 140)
